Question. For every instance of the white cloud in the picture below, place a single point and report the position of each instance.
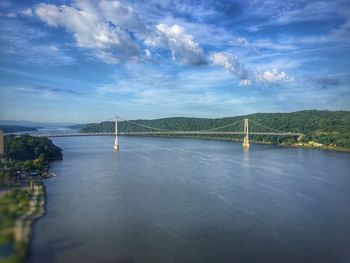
(245, 82)
(181, 44)
(114, 33)
(148, 53)
(274, 76)
(114, 11)
(233, 66)
(27, 12)
(111, 43)
(246, 75)
(121, 15)
(107, 56)
(204, 33)
(242, 42)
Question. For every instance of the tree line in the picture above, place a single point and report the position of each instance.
(26, 153)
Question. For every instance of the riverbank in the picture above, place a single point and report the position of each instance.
(22, 207)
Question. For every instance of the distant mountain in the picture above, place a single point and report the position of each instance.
(16, 128)
(75, 126)
(34, 124)
(21, 123)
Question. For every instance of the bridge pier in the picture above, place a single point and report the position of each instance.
(246, 135)
(116, 143)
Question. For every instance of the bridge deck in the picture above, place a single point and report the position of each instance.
(167, 133)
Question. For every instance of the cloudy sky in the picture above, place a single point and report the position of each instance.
(81, 60)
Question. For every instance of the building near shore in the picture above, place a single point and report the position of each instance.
(1, 144)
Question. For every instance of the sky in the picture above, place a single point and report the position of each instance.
(87, 60)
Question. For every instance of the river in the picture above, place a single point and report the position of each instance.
(187, 200)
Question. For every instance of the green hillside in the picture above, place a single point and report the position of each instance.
(330, 128)
(26, 147)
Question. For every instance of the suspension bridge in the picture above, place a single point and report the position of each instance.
(110, 128)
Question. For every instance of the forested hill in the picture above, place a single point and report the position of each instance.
(26, 147)
(326, 127)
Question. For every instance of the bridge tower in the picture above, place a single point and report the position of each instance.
(246, 134)
(116, 144)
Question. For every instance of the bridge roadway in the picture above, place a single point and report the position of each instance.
(166, 133)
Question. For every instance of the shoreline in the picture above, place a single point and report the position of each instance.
(24, 225)
(35, 220)
(19, 235)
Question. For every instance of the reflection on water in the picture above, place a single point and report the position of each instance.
(245, 162)
(184, 200)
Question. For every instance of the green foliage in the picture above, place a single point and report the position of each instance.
(6, 238)
(12, 205)
(26, 153)
(326, 127)
(6, 177)
(26, 147)
(21, 251)
(27, 165)
(40, 162)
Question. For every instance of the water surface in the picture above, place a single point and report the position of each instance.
(187, 200)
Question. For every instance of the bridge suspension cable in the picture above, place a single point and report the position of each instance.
(166, 130)
(264, 126)
(225, 126)
(105, 125)
(145, 126)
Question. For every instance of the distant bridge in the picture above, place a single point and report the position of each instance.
(104, 129)
(162, 133)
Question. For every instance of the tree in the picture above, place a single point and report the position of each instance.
(27, 165)
(26, 147)
(40, 162)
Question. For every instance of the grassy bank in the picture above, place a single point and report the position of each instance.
(18, 210)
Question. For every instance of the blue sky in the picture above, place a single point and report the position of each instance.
(82, 61)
